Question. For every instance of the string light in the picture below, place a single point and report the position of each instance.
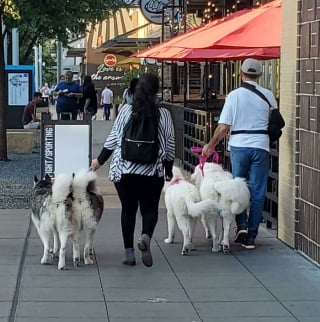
(215, 8)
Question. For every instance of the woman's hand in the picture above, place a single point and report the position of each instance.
(95, 165)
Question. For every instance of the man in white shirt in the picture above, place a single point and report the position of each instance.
(246, 115)
(106, 101)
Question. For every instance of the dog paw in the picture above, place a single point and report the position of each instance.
(216, 249)
(76, 262)
(185, 251)
(226, 249)
(61, 265)
(45, 260)
(88, 261)
(53, 256)
(168, 240)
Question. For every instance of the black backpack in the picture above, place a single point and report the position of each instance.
(140, 142)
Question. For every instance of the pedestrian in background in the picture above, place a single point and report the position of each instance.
(106, 101)
(244, 114)
(29, 117)
(90, 104)
(127, 96)
(46, 91)
(127, 176)
(68, 93)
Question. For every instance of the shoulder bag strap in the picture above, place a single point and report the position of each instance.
(252, 88)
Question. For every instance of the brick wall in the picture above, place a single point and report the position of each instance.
(307, 234)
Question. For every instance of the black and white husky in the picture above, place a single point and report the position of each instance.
(41, 214)
(64, 209)
(87, 210)
(51, 213)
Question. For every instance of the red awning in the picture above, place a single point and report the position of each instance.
(257, 29)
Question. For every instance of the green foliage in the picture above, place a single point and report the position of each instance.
(42, 20)
(39, 21)
(117, 100)
(130, 74)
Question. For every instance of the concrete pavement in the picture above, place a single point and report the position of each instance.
(272, 283)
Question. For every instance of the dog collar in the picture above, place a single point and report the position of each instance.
(175, 181)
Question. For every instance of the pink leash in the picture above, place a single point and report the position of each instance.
(203, 158)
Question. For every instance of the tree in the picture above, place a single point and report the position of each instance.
(42, 20)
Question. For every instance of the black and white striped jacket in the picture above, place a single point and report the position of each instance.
(118, 166)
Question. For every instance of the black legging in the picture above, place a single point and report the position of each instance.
(136, 190)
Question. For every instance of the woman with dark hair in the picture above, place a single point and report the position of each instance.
(89, 100)
(129, 92)
(127, 175)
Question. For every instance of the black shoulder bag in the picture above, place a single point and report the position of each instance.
(276, 121)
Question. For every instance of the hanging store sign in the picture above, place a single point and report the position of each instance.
(110, 60)
(152, 9)
(131, 2)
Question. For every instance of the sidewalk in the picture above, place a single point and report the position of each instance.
(272, 283)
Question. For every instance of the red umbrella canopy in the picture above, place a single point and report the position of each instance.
(191, 54)
(260, 27)
(255, 28)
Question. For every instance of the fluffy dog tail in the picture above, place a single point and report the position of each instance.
(196, 209)
(61, 188)
(84, 180)
(236, 191)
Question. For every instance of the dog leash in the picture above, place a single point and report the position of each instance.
(203, 158)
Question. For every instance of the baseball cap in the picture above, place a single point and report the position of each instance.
(251, 66)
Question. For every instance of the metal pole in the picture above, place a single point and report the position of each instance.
(40, 65)
(5, 45)
(15, 46)
(172, 34)
(36, 68)
(162, 64)
(185, 66)
(59, 60)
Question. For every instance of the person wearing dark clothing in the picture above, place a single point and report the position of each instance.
(29, 118)
(68, 93)
(90, 104)
(149, 177)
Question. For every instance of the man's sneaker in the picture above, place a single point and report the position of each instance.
(249, 244)
(241, 236)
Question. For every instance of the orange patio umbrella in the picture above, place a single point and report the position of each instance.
(256, 29)
(199, 54)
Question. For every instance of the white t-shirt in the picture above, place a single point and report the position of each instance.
(245, 110)
(106, 96)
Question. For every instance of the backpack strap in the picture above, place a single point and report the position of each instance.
(252, 88)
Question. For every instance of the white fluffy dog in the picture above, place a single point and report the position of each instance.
(184, 205)
(87, 210)
(231, 194)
